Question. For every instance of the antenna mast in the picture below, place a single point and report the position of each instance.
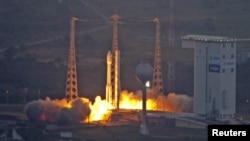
(171, 66)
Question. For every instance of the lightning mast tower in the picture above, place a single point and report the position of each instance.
(115, 65)
(157, 74)
(71, 91)
(171, 40)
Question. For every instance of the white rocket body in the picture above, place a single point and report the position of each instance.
(108, 83)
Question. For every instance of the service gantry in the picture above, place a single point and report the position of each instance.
(71, 91)
(115, 65)
(157, 84)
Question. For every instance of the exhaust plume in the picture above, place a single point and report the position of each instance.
(81, 109)
(171, 102)
(57, 111)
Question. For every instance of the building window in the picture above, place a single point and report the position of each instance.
(232, 44)
(225, 99)
(223, 70)
(232, 56)
(223, 56)
(232, 69)
(223, 45)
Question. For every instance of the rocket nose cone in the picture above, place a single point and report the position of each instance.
(109, 53)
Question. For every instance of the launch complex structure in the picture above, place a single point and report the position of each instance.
(113, 67)
(113, 86)
(113, 83)
(71, 91)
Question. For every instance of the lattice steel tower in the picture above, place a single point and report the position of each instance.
(115, 65)
(157, 75)
(171, 44)
(71, 91)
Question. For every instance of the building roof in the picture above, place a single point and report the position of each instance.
(207, 38)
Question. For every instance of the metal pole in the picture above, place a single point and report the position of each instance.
(144, 126)
(144, 73)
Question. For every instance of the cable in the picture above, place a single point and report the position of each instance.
(140, 21)
(86, 20)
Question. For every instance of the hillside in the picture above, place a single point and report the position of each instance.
(41, 29)
(27, 22)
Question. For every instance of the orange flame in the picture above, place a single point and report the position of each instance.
(130, 100)
(62, 103)
(101, 109)
(170, 103)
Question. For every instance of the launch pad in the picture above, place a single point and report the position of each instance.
(113, 84)
(112, 102)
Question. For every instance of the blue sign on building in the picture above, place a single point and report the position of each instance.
(214, 68)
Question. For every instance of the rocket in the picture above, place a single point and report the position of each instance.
(108, 84)
(113, 68)
(113, 78)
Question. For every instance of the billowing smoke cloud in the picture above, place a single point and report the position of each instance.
(171, 102)
(57, 111)
(175, 103)
(62, 113)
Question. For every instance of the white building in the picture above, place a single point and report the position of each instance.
(214, 75)
(243, 56)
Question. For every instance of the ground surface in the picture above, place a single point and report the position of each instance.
(131, 132)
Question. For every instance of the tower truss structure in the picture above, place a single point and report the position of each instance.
(157, 74)
(71, 91)
(115, 65)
